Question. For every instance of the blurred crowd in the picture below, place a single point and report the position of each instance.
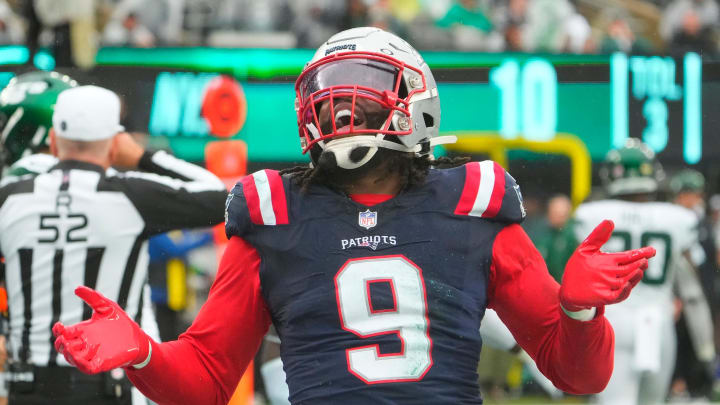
(569, 26)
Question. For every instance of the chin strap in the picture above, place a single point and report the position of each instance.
(442, 140)
(428, 147)
(368, 141)
(343, 147)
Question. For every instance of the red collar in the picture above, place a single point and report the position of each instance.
(370, 199)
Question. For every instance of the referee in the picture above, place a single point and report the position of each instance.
(83, 223)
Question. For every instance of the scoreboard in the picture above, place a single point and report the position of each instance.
(644, 88)
(672, 103)
(663, 97)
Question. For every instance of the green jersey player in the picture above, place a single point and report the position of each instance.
(26, 108)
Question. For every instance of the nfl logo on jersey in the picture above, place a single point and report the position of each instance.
(367, 219)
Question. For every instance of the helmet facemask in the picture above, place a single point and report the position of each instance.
(351, 104)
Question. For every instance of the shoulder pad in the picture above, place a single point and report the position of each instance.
(679, 218)
(584, 209)
(490, 192)
(32, 164)
(257, 199)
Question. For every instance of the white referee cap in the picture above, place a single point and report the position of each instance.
(87, 113)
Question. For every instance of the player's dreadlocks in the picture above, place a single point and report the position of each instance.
(413, 169)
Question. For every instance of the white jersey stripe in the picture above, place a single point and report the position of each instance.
(487, 181)
(200, 179)
(262, 185)
(11, 122)
(176, 184)
(163, 159)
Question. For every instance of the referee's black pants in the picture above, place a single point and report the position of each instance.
(68, 386)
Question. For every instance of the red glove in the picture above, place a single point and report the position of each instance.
(108, 340)
(593, 278)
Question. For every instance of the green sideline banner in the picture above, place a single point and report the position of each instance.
(669, 102)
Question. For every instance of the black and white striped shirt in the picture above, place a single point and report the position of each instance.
(79, 224)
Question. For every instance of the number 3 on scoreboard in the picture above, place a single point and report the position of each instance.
(408, 319)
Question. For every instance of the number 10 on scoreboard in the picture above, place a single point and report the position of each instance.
(528, 98)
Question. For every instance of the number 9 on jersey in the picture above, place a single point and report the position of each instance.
(408, 319)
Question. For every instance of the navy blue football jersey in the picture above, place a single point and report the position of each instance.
(378, 304)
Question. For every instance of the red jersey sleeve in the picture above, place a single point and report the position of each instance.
(576, 356)
(205, 364)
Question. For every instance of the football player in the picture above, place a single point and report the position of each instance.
(696, 345)
(26, 108)
(644, 328)
(374, 265)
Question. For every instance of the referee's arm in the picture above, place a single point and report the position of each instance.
(171, 194)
